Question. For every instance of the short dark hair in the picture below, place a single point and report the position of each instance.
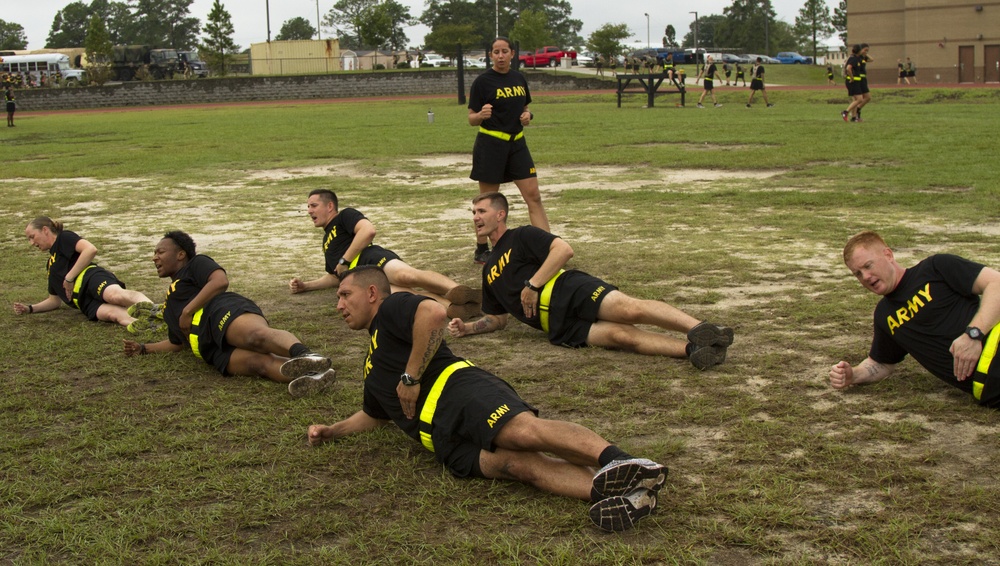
(370, 275)
(326, 195)
(856, 49)
(183, 241)
(497, 200)
(510, 45)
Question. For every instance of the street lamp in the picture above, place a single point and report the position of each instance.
(697, 69)
(319, 28)
(647, 31)
(497, 14)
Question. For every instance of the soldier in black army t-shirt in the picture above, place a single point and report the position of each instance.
(524, 277)
(474, 422)
(226, 330)
(943, 312)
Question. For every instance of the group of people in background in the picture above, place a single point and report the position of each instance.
(29, 80)
(907, 72)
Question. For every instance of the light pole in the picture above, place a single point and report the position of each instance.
(647, 31)
(497, 15)
(319, 29)
(697, 69)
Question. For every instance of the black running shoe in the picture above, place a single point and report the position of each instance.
(623, 476)
(305, 365)
(622, 512)
(707, 334)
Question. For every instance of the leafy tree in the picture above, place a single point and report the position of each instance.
(399, 16)
(345, 18)
(350, 18)
(710, 32)
(217, 45)
(12, 36)
(813, 24)
(296, 28)
(163, 23)
(444, 38)
(839, 21)
(747, 26)
(669, 36)
(375, 28)
(482, 16)
(531, 31)
(69, 26)
(98, 51)
(607, 40)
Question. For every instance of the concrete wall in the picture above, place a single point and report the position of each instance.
(243, 89)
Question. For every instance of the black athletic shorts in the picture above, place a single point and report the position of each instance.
(474, 406)
(853, 88)
(497, 161)
(576, 298)
(376, 255)
(95, 281)
(709, 85)
(756, 84)
(863, 87)
(11, 106)
(215, 320)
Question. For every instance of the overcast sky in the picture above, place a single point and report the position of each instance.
(250, 16)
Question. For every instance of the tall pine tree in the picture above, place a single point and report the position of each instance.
(218, 43)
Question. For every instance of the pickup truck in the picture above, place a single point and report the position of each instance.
(547, 56)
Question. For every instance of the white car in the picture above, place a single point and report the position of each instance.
(584, 60)
(435, 60)
(470, 64)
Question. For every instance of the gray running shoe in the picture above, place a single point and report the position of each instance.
(305, 365)
(463, 295)
(312, 383)
(707, 356)
(622, 512)
(623, 476)
(708, 334)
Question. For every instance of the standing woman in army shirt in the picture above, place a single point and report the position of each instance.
(498, 106)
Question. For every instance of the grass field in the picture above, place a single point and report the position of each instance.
(731, 214)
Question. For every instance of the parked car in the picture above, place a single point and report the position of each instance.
(470, 64)
(752, 58)
(585, 59)
(793, 58)
(435, 60)
(731, 59)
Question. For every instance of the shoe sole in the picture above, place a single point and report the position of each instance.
(463, 295)
(708, 334)
(620, 513)
(140, 310)
(627, 477)
(471, 310)
(708, 356)
(310, 384)
(305, 365)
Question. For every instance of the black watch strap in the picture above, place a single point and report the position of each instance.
(527, 283)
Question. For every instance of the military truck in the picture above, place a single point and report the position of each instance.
(129, 60)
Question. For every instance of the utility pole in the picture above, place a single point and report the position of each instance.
(697, 69)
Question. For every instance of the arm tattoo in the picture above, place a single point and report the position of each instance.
(483, 324)
(875, 369)
(437, 335)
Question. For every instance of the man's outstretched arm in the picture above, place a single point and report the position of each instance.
(843, 375)
(489, 323)
(358, 422)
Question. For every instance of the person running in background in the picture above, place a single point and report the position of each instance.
(911, 71)
(75, 280)
(726, 70)
(710, 73)
(740, 75)
(901, 73)
(757, 83)
(829, 73)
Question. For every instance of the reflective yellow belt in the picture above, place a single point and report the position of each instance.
(985, 360)
(545, 299)
(77, 284)
(193, 335)
(430, 404)
(502, 135)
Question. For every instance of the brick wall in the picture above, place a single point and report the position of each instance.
(242, 89)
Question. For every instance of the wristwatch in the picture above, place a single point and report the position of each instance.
(975, 334)
(343, 261)
(527, 283)
(408, 380)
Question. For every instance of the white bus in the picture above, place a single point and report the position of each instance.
(35, 65)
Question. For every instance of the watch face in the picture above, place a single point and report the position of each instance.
(974, 333)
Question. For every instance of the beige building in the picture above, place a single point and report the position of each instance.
(950, 41)
(298, 57)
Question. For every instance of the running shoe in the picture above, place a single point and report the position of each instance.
(700, 106)
(707, 356)
(748, 106)
(311, 383)
(770, 105)
(146, 309)
(145, 325)
(463, 295)
(707, 334)
(717, 105)
(622, 512)
(482, 257)
(623, 476)
(843, 114)
(305, 365)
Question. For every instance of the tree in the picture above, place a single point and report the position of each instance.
(12, 36)
(98, 51)
(710, 32)
(444, 38)
(218, 45)
(747, 26)
(607, 40)
(375, 28)
(69, 26)
(669, 36)
(163, 23)
(813, 24)
(482, 16)
(839, 21)
(348, 17)
(296, 28)
(345, 18)
(531, 31)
